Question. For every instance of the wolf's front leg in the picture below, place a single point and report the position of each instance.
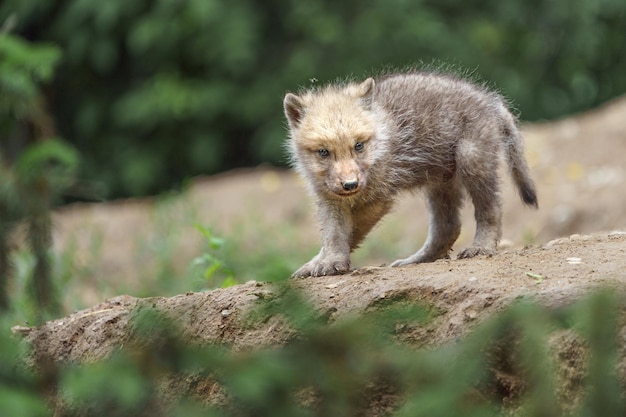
(334, 258)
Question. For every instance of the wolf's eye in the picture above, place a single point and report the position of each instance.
(323, 152)
(359, 146)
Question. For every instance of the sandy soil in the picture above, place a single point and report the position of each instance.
(464, 293)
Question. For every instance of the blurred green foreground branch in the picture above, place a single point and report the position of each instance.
(35, 168)
(527, 361)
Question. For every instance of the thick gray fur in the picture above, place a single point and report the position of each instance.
(433, 132)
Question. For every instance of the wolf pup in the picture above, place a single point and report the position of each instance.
(358, 145)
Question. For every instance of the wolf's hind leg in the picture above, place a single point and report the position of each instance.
(444, 204)
(483, 186)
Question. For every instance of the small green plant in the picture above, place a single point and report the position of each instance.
(270, 255)
(65, 284)
(211, 263)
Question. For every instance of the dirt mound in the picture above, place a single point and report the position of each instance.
(463, 292)
(466, 291)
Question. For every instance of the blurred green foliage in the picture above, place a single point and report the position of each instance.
(20, 393)
(22, 67)
(34, 169)
(510, 365)
(215, 272)
(152, 92)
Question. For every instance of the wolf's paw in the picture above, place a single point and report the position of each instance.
(475, 251)
(420, 258)
(323, 267)
(406, 261)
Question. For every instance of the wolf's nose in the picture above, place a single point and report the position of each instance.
(350, 185)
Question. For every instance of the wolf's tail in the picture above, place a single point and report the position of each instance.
(518, 167)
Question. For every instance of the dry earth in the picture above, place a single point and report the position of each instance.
(464, 293)
(578, 164)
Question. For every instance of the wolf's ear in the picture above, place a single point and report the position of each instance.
(366, 88)
(366, 91)
(294, 109)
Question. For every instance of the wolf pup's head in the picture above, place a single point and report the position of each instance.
(333, 134)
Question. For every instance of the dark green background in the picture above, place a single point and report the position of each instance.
(153, 92)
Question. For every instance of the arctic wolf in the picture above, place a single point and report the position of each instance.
(358, 145)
